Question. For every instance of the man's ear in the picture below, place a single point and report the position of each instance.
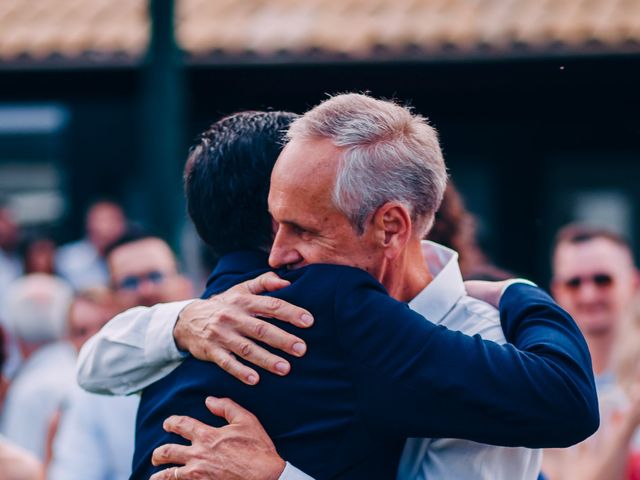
(392, 227)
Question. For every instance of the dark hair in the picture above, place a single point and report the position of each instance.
(576, 234)
(227, 177)
(133, 233)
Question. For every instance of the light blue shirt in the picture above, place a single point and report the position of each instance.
(80, 264)
(95, 439)
(40, 387)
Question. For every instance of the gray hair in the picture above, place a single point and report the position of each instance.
(389, 154)
(37, 307)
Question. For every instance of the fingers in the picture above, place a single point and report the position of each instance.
(230, 411)
(225, 360)
(186, 427)
(273, 336)
(170, 453)
(166, 474)
(248, 350)
(277, 308)
(267, 282)
(489, 292)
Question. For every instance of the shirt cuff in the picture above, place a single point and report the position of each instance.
(292, 473)
(160, 345)
(516, 280)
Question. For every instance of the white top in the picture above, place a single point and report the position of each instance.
(80, 264)
(95, 438)
(38, 390)
(445, 302)
(114, 361)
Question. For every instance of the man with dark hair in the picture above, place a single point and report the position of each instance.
(228, 172)
(595, 279)
(376, 373)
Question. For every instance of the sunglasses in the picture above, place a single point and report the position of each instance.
(600, 280)
(133, 282)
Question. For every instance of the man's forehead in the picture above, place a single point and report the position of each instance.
(142, 255)
(304, 172)
(586, 257)
(307, 156)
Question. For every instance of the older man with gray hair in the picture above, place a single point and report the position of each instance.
(357, 185)
(37, 309)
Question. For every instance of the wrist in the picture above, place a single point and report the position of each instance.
(278, 469)
(180, 329)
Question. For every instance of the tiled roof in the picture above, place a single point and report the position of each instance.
(362, 28)
(38, 29)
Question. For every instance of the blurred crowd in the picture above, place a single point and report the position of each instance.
(53, 299)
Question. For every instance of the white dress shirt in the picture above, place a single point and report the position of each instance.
(111, 362)
(445, 302)
(95, 438)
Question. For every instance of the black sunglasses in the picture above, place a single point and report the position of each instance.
(600, 280)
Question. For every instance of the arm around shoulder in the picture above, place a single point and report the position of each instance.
(532, 319)
(420, 379)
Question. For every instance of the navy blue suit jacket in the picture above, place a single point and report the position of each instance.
(376, 373)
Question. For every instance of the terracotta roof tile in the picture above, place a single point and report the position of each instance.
(355, 28)
(42, 28)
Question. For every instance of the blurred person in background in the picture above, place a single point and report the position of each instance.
(455, 227)
(15, 462)
(144, 271)
(96, 433)
(10, 265)
(10, 270)
(37, 310)
(87, 314)
(39, 254)
(4, 382)
(82, 263)
(626, 367)
(595, 279)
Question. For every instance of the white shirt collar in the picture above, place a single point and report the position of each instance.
(446, 289)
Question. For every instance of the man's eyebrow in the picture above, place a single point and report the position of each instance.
(295, 224)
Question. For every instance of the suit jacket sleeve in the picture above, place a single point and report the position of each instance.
(417, 379)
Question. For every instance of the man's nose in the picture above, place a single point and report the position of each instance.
(146, 287)
(282, 251)
(588, 292)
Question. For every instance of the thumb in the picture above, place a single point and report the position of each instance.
(267, 282)
(229, 410)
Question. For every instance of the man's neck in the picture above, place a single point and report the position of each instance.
(408, 274)
(600, 347)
